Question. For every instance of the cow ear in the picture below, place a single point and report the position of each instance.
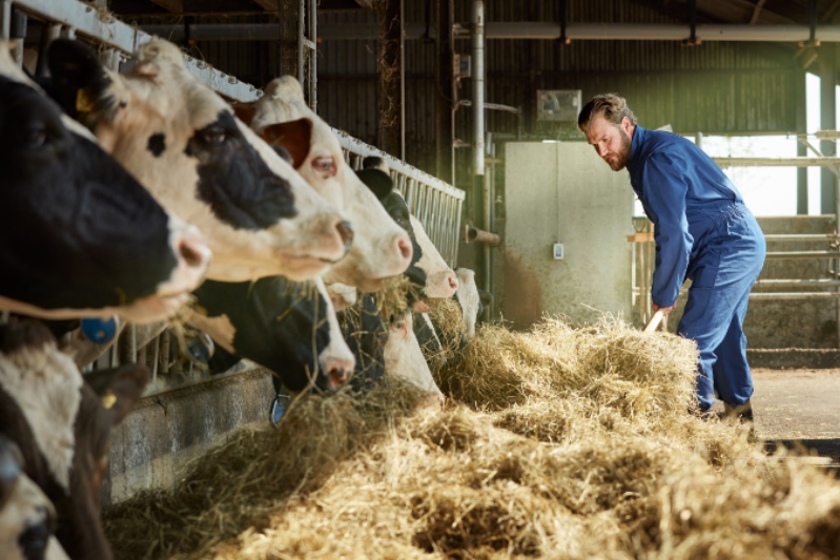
(377, 181)
(295, 136)
(118, 388)
(245, 112)
(78, 77)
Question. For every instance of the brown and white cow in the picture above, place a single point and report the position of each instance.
(27, 517)
(78, 234)
(381, 249)
(404, 357)
(62, 423)
(183, 142)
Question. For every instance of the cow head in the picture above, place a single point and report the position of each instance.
(428, 272)
(288, 327)
(62, 424)
(380, 249)
(184, 143)
(80, 236)
(27, 517)
(404, 357)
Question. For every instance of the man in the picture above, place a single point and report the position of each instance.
(702, 232)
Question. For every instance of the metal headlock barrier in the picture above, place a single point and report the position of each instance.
(435, 203)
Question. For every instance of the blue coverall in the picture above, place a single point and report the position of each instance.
(702, 232)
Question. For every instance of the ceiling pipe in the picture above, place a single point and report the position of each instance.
(521, 30)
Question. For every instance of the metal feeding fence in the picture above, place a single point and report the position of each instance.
(177, 352)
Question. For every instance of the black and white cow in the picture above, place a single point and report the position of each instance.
(288, 327)
(381, 249)
(79, 235)
(428, 270)
(183, 142)
(62, 423)
(27, 517)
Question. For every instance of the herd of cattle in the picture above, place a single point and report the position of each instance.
(141, 194)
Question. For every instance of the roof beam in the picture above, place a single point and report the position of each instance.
(268, 5)
(174, 6)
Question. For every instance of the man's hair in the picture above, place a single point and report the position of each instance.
(608, 105)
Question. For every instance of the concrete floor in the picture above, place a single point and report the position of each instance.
(794, 406)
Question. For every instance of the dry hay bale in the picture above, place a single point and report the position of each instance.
(609, 364)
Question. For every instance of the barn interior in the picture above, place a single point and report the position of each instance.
(474, 106)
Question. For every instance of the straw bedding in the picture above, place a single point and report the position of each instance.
(560, 442)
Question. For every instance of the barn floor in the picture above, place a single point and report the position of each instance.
(794, 406)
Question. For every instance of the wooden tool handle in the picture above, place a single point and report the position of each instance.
(654, 321)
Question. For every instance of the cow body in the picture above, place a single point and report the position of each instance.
(380, 248)
(183, 142)
(287, 327)
(62, 427)
(80, 236)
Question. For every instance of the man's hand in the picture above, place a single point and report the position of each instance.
(665, 310)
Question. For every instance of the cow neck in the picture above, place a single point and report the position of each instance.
(46, 385)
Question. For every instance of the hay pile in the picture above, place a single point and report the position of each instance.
(558, 443)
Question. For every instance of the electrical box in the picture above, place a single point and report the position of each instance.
(461, 66)
(558, 105)
(559, 251)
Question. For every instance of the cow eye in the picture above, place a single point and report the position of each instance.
(35, 137)
(325, 165)
(214, 136)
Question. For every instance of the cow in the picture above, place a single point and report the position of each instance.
(428, 270)
(404, 358)
(80, 235)
(183, 142)
(381, 249)
(61, 422)
(469, 299)
(288, 327)
(27, 517)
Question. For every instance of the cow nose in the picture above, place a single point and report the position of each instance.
(453, 282)
(192, 248)
(345, 230)
(339, 376)
(404, 245)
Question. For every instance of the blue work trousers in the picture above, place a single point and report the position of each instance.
(723, 272)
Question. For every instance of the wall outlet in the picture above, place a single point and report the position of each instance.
(559, 251)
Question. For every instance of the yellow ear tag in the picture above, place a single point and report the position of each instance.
(108, 400)
(84, 103)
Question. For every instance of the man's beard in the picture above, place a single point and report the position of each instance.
(623, 154)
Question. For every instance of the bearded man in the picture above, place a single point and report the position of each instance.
(703, 232)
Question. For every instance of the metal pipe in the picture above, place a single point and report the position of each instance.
(798, 282)
(477, 28)
(518, 30)
(795, 295)
(5, 19)
(313, 56)
(476, 235)
(300, 38)
(800, 236)
(775, 162)
(803, 255)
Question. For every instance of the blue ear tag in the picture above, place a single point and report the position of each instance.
(200, 347)
(99, 331)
